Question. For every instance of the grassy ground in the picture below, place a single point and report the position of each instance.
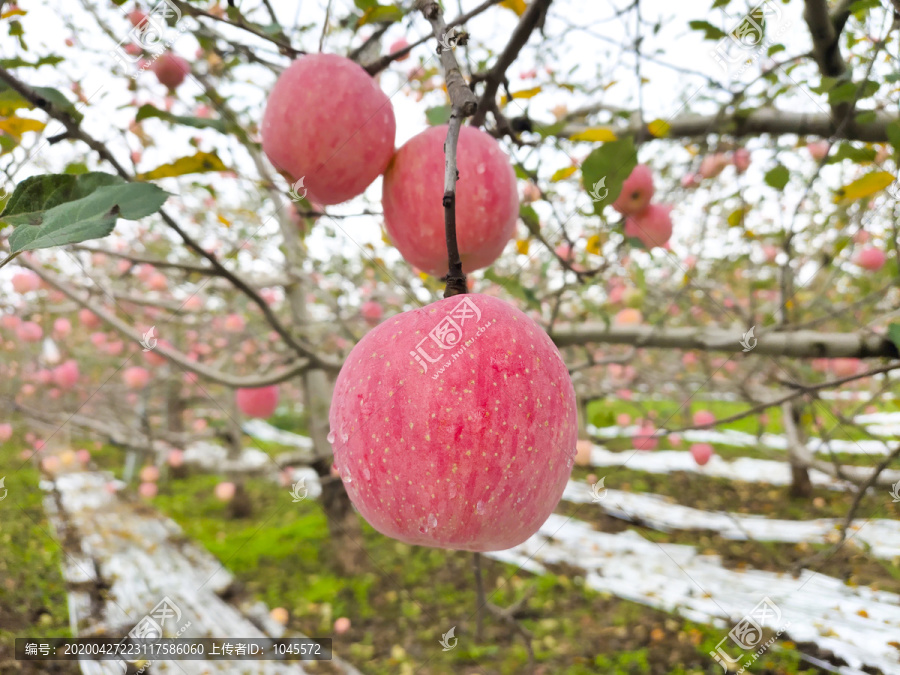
(399, 610)
(410, 596)
(32, 593)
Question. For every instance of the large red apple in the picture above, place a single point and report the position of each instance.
(454, 425)
(260, 402)
(329, 123)
(487, 201)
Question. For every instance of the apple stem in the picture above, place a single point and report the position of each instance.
(479, 591)
(463, 104)
(456, 278)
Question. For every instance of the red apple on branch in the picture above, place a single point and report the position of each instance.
(454, 425)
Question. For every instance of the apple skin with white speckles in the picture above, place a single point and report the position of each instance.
(454, 425)
(487, 200)
(328, 122)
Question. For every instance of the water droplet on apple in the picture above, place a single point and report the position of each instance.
(479, 507)
(480, 169)
(346, 475)
(330, 437)
(452, 492)
(344, 435)
(432, 520)
(367, 473)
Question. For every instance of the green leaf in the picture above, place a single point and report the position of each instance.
(147, 111)
(11, 100)
(76, 168)
(860, 7)
(720, 3)
(778, 177)
(847, 150)
(774, 49)
(18, 62)
(58, 209)
(605, 170)
(530, 217)
(893, 134)
(514, 288)
(825, 85)
(202, 162)
(710, 32)
(439, 115)
(847, 91)
(893, 333)
(380, 14)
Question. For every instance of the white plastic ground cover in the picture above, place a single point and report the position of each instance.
(881, 536)
(856, 624)
(144, 560)
(266, 432)
(744, 469)
(744, 440)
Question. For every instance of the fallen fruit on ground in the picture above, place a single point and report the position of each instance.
(454, 425)
(327, 122)
(487, 200)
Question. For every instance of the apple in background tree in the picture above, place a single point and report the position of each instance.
(468, 453)
(487, 200)
(6, 431)
(652, 226)
(29, 331)
(870, 258)
(170, 69)
(637, 190)
(65, 376)
(704, 418)
(147, 490)
(260, 402)
(225, 491)
(701, 452)
(396, 46)
(136, 377)
(24, 282)
(328, 122)
(372, 312)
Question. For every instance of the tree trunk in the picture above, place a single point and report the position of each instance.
(174, 405)
(799, 455)
(343, 523)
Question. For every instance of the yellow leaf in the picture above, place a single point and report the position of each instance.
(224, 220)
(595, 135)
(864, 187)
(385, 238)
(15, 11)
(659, 128)
(593, 244)
(522, 246)
(199, 163)
(423, 276)
(16, 126)
(562, 174)
(518, 6)
(527, 93)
